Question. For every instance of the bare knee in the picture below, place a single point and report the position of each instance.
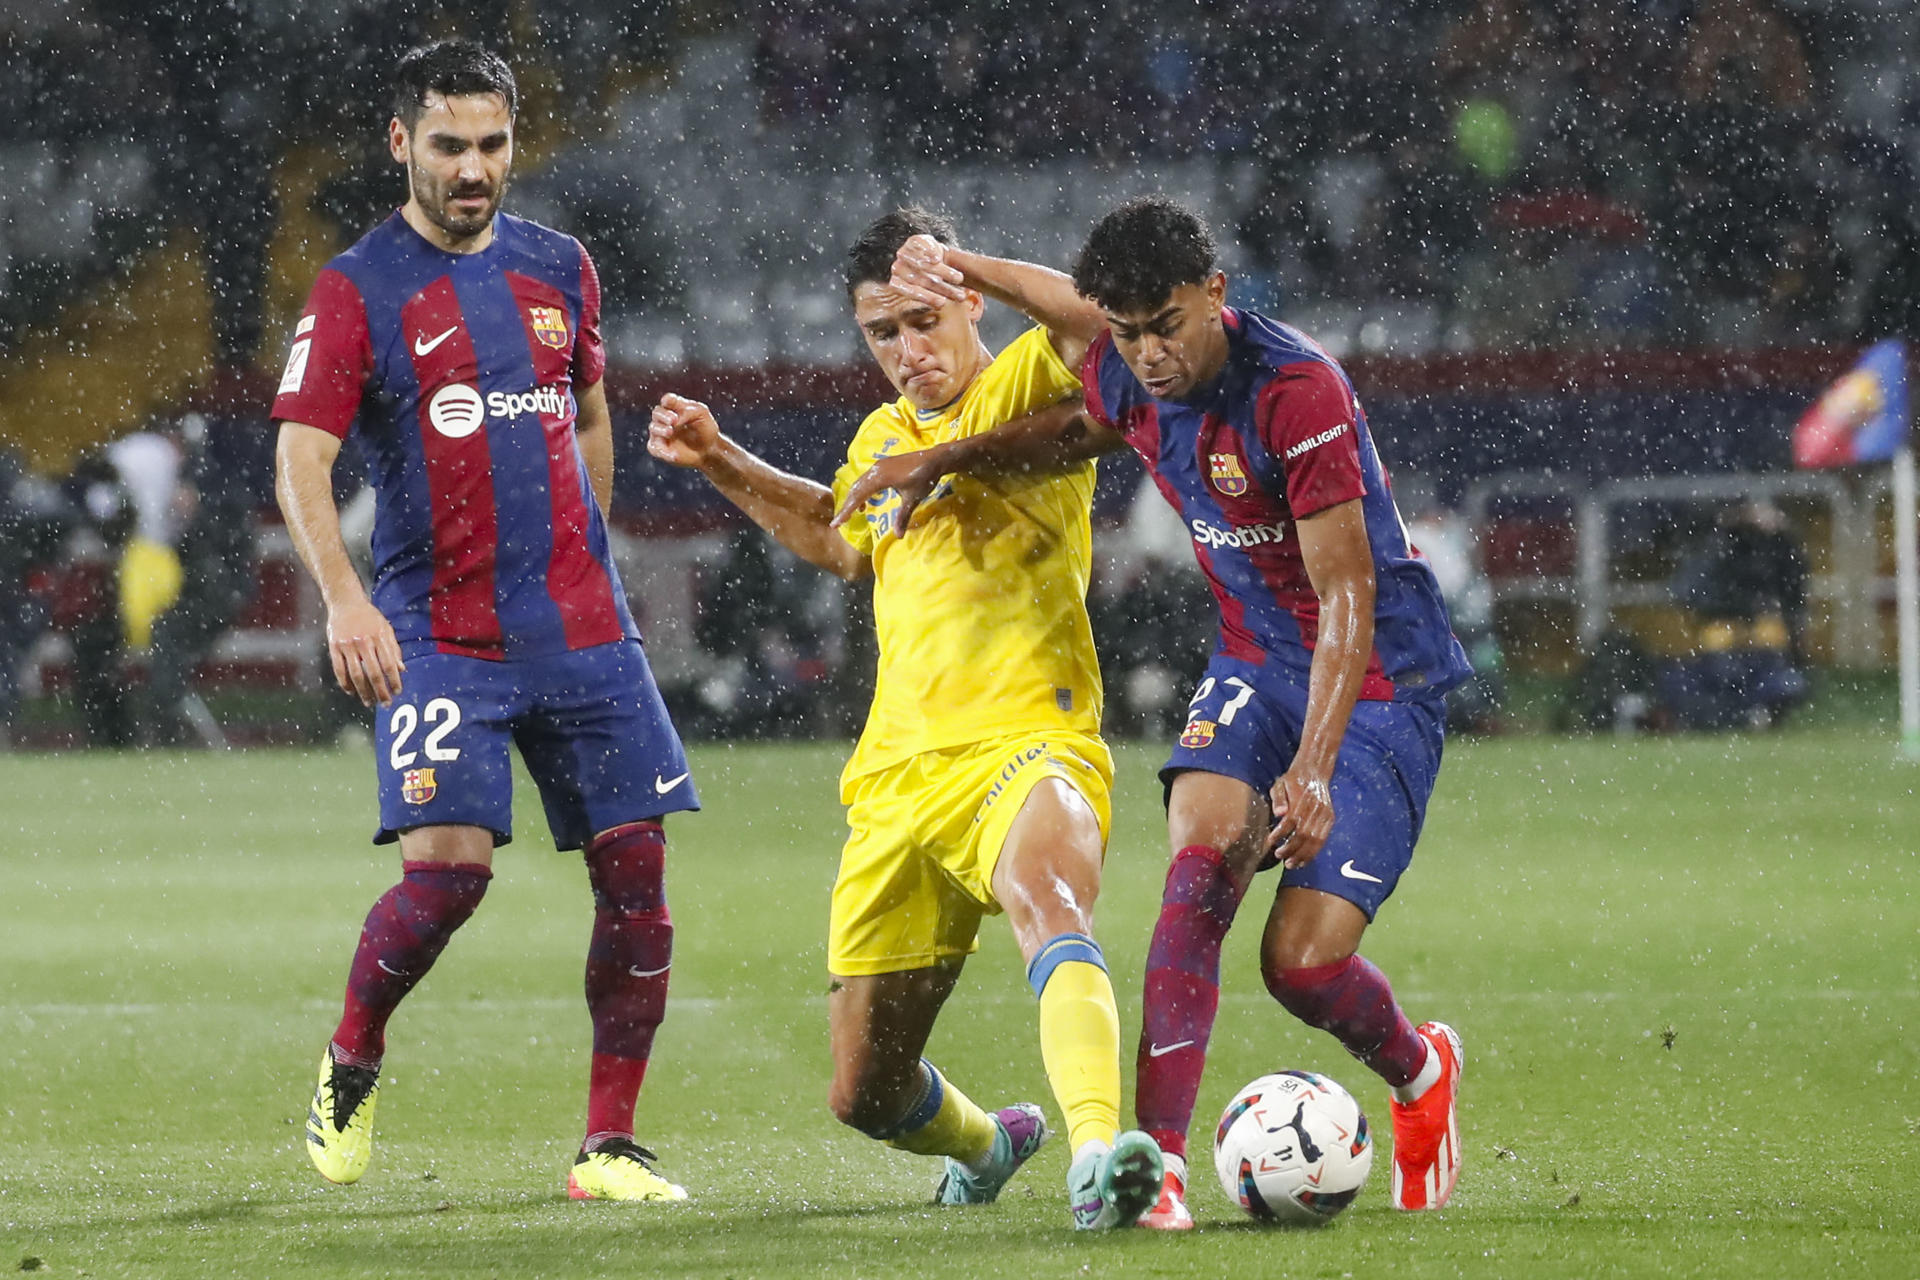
(849, 1105)
(879, 1027)
(872, 1105)
(1048, 876)
(1290, 955)
(1218, 813)
(1309, 937)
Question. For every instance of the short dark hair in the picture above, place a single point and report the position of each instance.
(871, 258)
(449, 68)
(1141, 252)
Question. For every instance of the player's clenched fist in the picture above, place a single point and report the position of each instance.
(681, 431)
(922, 272)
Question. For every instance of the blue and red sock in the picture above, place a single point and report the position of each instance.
(627, 969)
(1182, 992)
(404, 934)
(1353, 1000)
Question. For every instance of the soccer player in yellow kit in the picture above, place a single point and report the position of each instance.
(980, 784)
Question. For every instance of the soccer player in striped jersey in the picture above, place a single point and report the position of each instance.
(980, 783)
(461, 347)
(1313, 742)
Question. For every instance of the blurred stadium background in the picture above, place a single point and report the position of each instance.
(1586, 261)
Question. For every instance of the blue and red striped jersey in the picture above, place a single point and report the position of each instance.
(1276, 436)
(458, 372)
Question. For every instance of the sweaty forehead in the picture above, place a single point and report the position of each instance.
(1141, 317)
(876, 303)
(474, 115)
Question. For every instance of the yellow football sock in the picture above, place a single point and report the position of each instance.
(1080, 1043)
(944, 1122)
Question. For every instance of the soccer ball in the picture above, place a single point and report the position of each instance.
(1293, 1147)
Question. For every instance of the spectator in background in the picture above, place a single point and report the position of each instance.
(104, 520)
(33, 525)
(1153, 622)
(754, 620)
(1286, 237)
(1453, 552)
(216, 557)
(1744, 88)
(1745, 591)
(147, 464)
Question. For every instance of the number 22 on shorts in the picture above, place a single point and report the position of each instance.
(442, 716)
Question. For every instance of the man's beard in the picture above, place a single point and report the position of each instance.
(440, 212)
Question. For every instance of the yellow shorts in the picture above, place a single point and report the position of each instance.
(917, 871)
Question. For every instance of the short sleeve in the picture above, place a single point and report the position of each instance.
(1026, 377)
(589, 350)
(1306, 416)
(1097, 407)
(331, 356)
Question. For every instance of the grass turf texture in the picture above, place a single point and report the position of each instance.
(1684, 970)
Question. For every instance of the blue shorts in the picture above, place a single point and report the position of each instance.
(1244, 723)
(590, 726)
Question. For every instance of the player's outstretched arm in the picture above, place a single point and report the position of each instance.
(936, 273)
(1339, 563)
(1053, 438)
(796, 511)
(360, 640)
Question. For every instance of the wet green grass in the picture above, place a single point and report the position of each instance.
(1685, 971)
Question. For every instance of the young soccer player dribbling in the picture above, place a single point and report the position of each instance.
(980, 783)
(1314, 739)
(462, 346)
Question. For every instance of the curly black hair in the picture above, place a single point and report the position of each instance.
(449, 68)
(870, 260)
(1141, 252)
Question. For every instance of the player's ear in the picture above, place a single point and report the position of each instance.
(1217, 290)
(397, 140)
(976, 305)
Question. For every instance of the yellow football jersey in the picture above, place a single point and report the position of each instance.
(981, 610)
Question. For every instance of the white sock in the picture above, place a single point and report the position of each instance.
(1091, 1144)
(1176, 1166)
(1429, 1076)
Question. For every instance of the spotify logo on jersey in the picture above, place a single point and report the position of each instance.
(456, 411)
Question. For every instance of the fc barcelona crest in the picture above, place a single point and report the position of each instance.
(1198, 733)
(1224, 472)
(417, 786)
(549, 325)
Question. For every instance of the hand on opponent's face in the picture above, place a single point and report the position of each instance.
(921, 271)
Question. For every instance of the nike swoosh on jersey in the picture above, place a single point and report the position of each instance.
(1155, 1050)
(1346, 869)
(638, 972)
(663, 785)
(422, 346)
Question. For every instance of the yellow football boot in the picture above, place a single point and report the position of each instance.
(620, 1170)
(340, 1121)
